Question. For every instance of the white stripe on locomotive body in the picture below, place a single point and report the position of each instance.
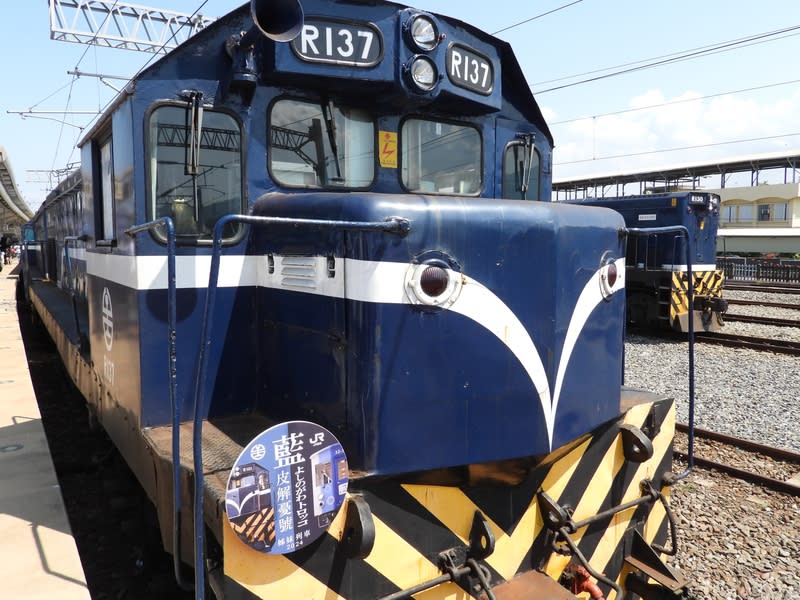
(365, 281)
(590, 297)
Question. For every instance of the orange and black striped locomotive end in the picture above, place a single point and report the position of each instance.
(592, 513)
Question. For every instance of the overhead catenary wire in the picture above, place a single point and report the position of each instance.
(681, 56)
(539, 16)
(662, 150)
(674, 102)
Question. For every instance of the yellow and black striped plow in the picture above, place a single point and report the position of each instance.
(423, 533)
(707, 285)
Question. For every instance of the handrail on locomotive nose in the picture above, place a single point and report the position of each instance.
(392, 224)
(683, 231)
(168, 224)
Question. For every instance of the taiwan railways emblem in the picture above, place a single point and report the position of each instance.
(286, 487)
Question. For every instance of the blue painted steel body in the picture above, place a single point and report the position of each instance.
(668, 210)
(387, 376)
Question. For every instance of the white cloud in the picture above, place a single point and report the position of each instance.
(630, 140)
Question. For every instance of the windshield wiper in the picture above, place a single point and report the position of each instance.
(330, 121)
(527, 158)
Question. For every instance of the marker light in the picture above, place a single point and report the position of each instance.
(424, 33)
(609, 275)
(423, 73)
(432, 284)
(433, 281)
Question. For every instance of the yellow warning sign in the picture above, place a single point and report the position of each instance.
(388, 149)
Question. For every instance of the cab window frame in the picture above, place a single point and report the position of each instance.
(281, 180)
(403, 167)
(537, 161)
(234, 231)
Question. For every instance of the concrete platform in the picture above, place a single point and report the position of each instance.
(37, 551)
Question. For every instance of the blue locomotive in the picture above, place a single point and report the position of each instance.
(657, 269)
(312, 245)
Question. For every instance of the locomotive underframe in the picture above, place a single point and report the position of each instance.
(658, 299)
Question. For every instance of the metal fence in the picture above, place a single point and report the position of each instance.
(760, 269)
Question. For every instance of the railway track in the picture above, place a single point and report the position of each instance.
(789, 305)
(743, 341)
(752, 286)
(766, 466)
(762, 320)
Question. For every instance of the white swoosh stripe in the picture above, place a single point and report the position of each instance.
(590, 297)
(370, 281)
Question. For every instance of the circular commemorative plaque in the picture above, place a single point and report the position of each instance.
(286, 487)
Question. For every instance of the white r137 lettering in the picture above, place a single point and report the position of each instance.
(331, 43)
(469, 69)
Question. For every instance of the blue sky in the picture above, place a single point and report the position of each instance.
(704, 102)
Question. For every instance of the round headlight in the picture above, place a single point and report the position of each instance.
(423, 73)
(424, 33)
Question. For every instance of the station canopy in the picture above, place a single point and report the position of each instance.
(14, 211)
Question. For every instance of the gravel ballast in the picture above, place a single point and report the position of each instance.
(736, 540)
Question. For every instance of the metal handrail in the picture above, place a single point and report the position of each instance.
(68, 262)
(684, 231)
(396, 225)
(175, 408)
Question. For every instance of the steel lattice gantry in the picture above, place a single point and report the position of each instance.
(14, 211)
(123, 25)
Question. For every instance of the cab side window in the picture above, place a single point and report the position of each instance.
(521, 172)
(195, 197)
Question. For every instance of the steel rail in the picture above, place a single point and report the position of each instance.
(777, 485)
(770, 287)
(786, 487)
(744, 444)
(788, 305)
(761, 320)
(754, 343)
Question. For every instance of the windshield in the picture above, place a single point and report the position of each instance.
(319, 145)
(441, 157)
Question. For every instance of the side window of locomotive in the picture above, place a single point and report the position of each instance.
(106, 190)
(440, 158)
(217, 177)
(521, 172)
(321, 145)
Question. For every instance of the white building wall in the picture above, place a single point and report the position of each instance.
(752, 234)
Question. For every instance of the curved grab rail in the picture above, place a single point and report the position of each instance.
(397, 225)
(67, 239)
(173, 392)
(682, 230)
